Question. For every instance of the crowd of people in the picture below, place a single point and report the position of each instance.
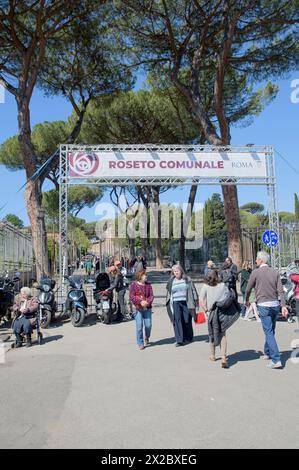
(261, 289)
(92, 264)
(262, 293)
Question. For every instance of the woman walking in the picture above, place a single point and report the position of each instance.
(220, 305)
(141, 296)
(117, 284)
(252, 308)
(181, 302)
(245, 275)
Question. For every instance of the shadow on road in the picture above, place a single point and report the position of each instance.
(244, 356)
(165, 341)
(202, 338)
(251, 355)
(90, 320)
(49, 339)
(285, 356)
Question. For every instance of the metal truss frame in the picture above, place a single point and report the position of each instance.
(64, 181)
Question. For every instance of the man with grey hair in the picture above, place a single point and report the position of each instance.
(209, 267)
(268, 290)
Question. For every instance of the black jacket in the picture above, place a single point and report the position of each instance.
(245, 275)
(116, 283)
(220, 320)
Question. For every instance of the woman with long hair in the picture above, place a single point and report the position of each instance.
(117, 284)
(245, 275)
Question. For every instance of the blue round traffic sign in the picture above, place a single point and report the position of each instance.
(270, 238)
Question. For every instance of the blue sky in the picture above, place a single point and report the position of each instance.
(277, 126)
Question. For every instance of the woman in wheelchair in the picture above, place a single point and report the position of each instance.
(25, 308)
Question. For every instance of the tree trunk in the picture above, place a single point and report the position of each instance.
(157, 215)
(33, 194)
(232, 217)
(38, 228)
(201, 118)
(132, 248)
(191, 201)
(144, 245)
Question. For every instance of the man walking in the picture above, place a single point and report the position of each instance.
(209, 267)
(267, 284)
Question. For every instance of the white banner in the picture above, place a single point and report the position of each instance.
(167, 164)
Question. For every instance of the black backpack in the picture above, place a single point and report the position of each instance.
(229, 299)
(102, 281)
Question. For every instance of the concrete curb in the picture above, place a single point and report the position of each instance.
(7, 340)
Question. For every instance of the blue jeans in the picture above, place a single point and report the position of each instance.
(243, 307)
(268, 316)
(143, 317)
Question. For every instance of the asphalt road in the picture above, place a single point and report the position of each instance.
(92, 388)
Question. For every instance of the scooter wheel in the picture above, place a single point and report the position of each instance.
(77, 316)
(45, 318)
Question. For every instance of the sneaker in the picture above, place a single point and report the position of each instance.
(259, 320)
(265, 357)
(147, 342)
(273, 365)
(178, 344)
(141, 347)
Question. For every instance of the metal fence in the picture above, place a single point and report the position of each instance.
(215, 248)
(16, 252)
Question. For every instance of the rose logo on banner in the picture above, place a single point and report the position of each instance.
(83, 164)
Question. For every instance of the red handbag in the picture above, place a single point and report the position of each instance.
(200, 318)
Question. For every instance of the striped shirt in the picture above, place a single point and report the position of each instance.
(179, 290)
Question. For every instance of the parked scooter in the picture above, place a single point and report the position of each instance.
(76, 302)
(46, 300)
(105, 306)
(7, 294)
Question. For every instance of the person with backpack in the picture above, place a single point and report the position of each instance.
(229, 275)
(219, 303)
(88, 267)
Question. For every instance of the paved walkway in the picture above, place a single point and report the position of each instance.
(92, 388)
